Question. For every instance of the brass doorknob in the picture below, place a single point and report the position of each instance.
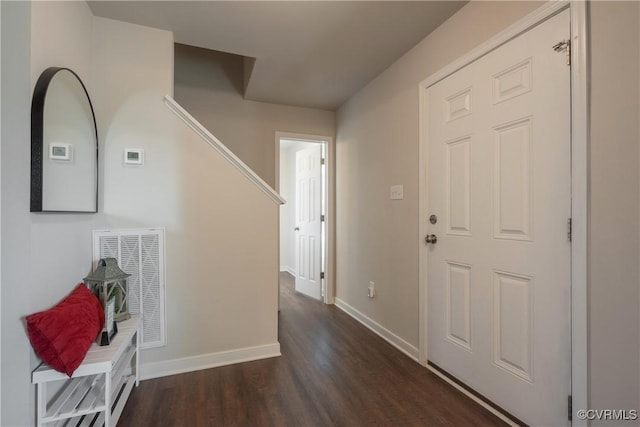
(431, 238)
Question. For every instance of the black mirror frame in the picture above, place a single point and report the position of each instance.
(37, 137)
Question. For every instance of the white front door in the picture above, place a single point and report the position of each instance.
(499, 176)
(308, 221)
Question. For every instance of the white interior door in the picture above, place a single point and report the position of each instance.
(500, 185)
(308, 221)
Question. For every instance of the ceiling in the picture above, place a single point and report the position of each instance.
(307, 53)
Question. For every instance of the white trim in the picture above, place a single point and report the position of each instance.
(423, 209)
(580, 182)
(0, 220)
(287, 269)
(405, 347)
(579, 210)
(222, 149)
(206, 361)
(329, 268)
(474, 397)
(543, 12)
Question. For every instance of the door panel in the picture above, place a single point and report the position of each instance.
(308, 224)
(499, 181)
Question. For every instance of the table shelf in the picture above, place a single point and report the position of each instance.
(97, 391)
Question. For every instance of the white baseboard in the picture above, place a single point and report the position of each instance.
(206, 361)
(474, 398)
(393, 339)
(288, 269)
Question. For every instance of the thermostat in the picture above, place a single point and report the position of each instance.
(59, 151)
(133, 156)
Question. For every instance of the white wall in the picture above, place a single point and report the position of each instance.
(44, 255)
(17, 394)
(377, 146)
(221, 239)
(0, 213)
(209, 85)
(286, 213)
(614, 314)
(221, 230)
(60, 36)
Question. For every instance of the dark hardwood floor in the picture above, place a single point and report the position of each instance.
(333, 372)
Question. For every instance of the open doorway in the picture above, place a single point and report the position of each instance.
(303, 181)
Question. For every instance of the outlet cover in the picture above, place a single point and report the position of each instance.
(397, 192)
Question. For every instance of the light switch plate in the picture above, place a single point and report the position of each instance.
(397, 192)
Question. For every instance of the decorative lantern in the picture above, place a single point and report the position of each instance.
(109, 284)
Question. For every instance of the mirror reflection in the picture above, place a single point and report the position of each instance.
(64, 145)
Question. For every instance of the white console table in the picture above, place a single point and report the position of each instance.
(96, 393)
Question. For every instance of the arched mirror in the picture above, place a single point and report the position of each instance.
(64, 145)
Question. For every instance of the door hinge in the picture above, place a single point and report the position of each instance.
(569, 227)
(564, 46)
(322, 161)
(570, 407)
(322, 274)
(321, 218)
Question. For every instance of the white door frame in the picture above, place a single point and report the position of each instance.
(330, 180)
(0, 215)
(579, 183)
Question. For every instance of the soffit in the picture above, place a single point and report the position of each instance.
(307, 53)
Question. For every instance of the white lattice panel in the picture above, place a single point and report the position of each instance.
(129, 262)
(152, 289)
(141, 254)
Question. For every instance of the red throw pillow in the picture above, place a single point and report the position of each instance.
(62, 335)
